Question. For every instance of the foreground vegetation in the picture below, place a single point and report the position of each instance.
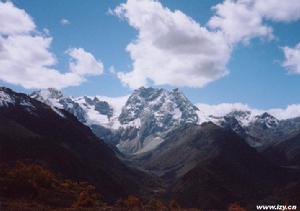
(27, 186)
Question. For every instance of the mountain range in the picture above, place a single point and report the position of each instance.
(155, 143)
(138, 123)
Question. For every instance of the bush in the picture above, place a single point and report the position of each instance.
(89, 198)
(173, 205)
(235, 207)
(155, 204)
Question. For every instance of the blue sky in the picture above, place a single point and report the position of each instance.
(256, 75)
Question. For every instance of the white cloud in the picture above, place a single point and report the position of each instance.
(239, 21)
(222, 109)
(242, 20)
(292, 59)
(291, 111)
(171, 48)
(64, 22)
(84, 63)
(25, 58)
(13, 20)
(279, 10)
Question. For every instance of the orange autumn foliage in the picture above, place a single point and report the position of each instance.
(30, 183)
(235, 207)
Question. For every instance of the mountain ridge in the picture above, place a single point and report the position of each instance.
(148, 114)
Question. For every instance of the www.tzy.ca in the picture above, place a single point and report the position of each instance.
(276, 207)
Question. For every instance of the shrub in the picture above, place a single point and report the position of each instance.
(235, 207)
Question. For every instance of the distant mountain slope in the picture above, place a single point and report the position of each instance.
(32, 131)
(210, 167)
(287, 152)
(186, 147)
(139, 123)
(259, 131)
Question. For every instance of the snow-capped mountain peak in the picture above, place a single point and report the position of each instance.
(50, 93)
(50, 96)
(9, 98)
(89, 110)
(5, 97)
(149, 113)
(170, 106)
(267, 120)
(244, 117)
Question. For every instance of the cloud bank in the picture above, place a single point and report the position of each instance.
(220, 110)
(171, 48)
(25, 58)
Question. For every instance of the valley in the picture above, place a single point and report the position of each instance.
(153, 145)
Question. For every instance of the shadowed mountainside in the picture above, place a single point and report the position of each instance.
(32, 131)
